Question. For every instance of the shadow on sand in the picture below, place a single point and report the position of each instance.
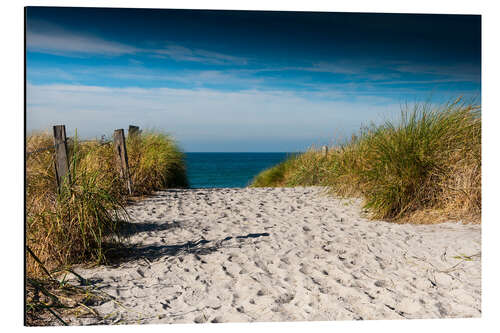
(128, 229)
(122, 254)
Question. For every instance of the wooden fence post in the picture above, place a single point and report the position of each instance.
(61, 155)
(122, 158)
(133, 131)
(325, 150)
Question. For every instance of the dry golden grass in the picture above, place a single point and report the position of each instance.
(80, 222)
(69, 226)
(424, 169)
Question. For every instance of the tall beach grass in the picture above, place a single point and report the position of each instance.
(77, 223)
(425, 168)
(155, 162)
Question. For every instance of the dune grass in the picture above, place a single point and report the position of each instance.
(155, 162)
(425, 168)
(78, 223)
(68, 226)
(275, 176)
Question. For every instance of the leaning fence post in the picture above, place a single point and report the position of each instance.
(61, 155)
(133, 131)
(122, 158)
(325, 150)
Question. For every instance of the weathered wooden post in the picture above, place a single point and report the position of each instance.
(133, 131)
(61, 155)
(122, 158)
(324, 149)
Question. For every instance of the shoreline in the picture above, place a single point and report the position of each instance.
(283, 254)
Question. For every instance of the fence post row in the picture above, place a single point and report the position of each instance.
(133, 131)
(61, 155)
(122, 158)
(325, 151)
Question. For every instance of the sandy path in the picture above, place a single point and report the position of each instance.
(285, 254)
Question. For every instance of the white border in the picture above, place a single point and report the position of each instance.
(12, 164)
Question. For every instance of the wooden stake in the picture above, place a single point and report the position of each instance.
(122, 158)
(133, 131)
(325, 150)
(61, 155)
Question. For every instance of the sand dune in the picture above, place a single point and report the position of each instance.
(284, 254)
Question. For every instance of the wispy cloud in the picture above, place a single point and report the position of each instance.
(456, 72)
(202, 115)
(181, 53)
(138, 75)
(53, 39)
(46, 37)
(338, 67)
(386, 72)
(49, 38)
(394, 70)
(390, 72)
(244, 80)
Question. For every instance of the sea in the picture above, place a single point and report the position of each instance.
(211, 170)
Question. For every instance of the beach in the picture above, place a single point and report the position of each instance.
(282, 254)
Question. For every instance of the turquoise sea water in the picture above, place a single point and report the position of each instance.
(228, 169)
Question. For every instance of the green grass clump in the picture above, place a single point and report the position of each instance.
(425, 168)
(79, 222)
(274, 176)
(156, 163)
(69, 226)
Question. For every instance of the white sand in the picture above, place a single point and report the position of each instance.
(285, 254)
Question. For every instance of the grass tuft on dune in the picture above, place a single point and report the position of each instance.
(80, 222)
(156, 163)
(425, 168)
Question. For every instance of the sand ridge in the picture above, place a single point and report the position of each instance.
(284, 254)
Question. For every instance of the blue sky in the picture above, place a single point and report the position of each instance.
(241, 81)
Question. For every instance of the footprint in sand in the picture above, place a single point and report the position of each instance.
(193, 296)
(285, 298)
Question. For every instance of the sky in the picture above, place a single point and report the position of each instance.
(242, 81)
